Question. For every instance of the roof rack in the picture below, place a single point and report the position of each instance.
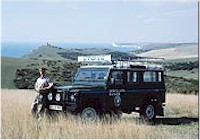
(148, 62)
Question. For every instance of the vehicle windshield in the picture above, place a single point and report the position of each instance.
(92, 74)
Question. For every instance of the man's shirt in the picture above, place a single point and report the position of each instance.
(42, 82)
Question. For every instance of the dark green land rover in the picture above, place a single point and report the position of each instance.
(115, 88)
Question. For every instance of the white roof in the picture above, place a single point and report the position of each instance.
(95, 58)
(97, 66)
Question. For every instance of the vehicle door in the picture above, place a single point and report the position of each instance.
(133, 88)
(116, 87)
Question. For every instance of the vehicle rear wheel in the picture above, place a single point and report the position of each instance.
(89, 114)
(148, 113)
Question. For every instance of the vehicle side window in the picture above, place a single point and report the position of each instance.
(159, 77)
(118, 76)
(149, 76)
(132, 76)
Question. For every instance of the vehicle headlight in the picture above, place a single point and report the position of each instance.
(50, 96)
(73, 98)
(58, 97)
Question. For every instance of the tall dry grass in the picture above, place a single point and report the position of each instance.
(179, 105)
(17, 121)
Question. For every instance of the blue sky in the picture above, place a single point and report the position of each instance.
(99, 21)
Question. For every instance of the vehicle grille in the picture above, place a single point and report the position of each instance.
(61, 93)
(65, 96)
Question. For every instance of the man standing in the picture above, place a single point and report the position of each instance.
(42, 86)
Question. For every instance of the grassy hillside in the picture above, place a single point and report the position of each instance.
(169, 51)
(193, 74)
(56, 53)
(8, 69)
(186, 68)
(45, 52)
(158, 45)
(181, 85)
(183, 60)
(60, 69)
(176, 52)
(25, 71)
(28, 69)
(182, 75)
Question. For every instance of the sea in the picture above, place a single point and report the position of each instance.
(19, 49)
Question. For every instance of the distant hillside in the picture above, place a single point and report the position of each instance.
(156, 46)
(180, 51)
(181, 74)
(22, 73)
(166, 50)
(56, 53)
(46, 52)
(8, 69)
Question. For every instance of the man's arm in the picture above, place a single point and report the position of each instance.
(36, 87)
(50, 84)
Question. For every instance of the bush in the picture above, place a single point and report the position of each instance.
(25, 78)
(181, 85)
(182, 66)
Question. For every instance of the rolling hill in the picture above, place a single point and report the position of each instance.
(8, 69)
(62, 64)
(169, 51)
(179, 51)
(50, 52)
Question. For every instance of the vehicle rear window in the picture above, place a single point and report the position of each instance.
(149, 76)
(132, 76)
(159, 77)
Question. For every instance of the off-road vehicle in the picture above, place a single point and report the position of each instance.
(112, 87)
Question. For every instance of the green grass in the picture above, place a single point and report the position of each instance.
(182, 60)
(181, 85)
(182, 81)
(193, 74)
(8, 69)
(45, 52)
(55, 70)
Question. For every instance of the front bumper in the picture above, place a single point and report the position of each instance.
(71, 107)
(56, 107)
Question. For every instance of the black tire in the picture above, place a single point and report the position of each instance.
(89, 114)
(148, 113)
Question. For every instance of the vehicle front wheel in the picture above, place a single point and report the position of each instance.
(148, 113)
(89, 114)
